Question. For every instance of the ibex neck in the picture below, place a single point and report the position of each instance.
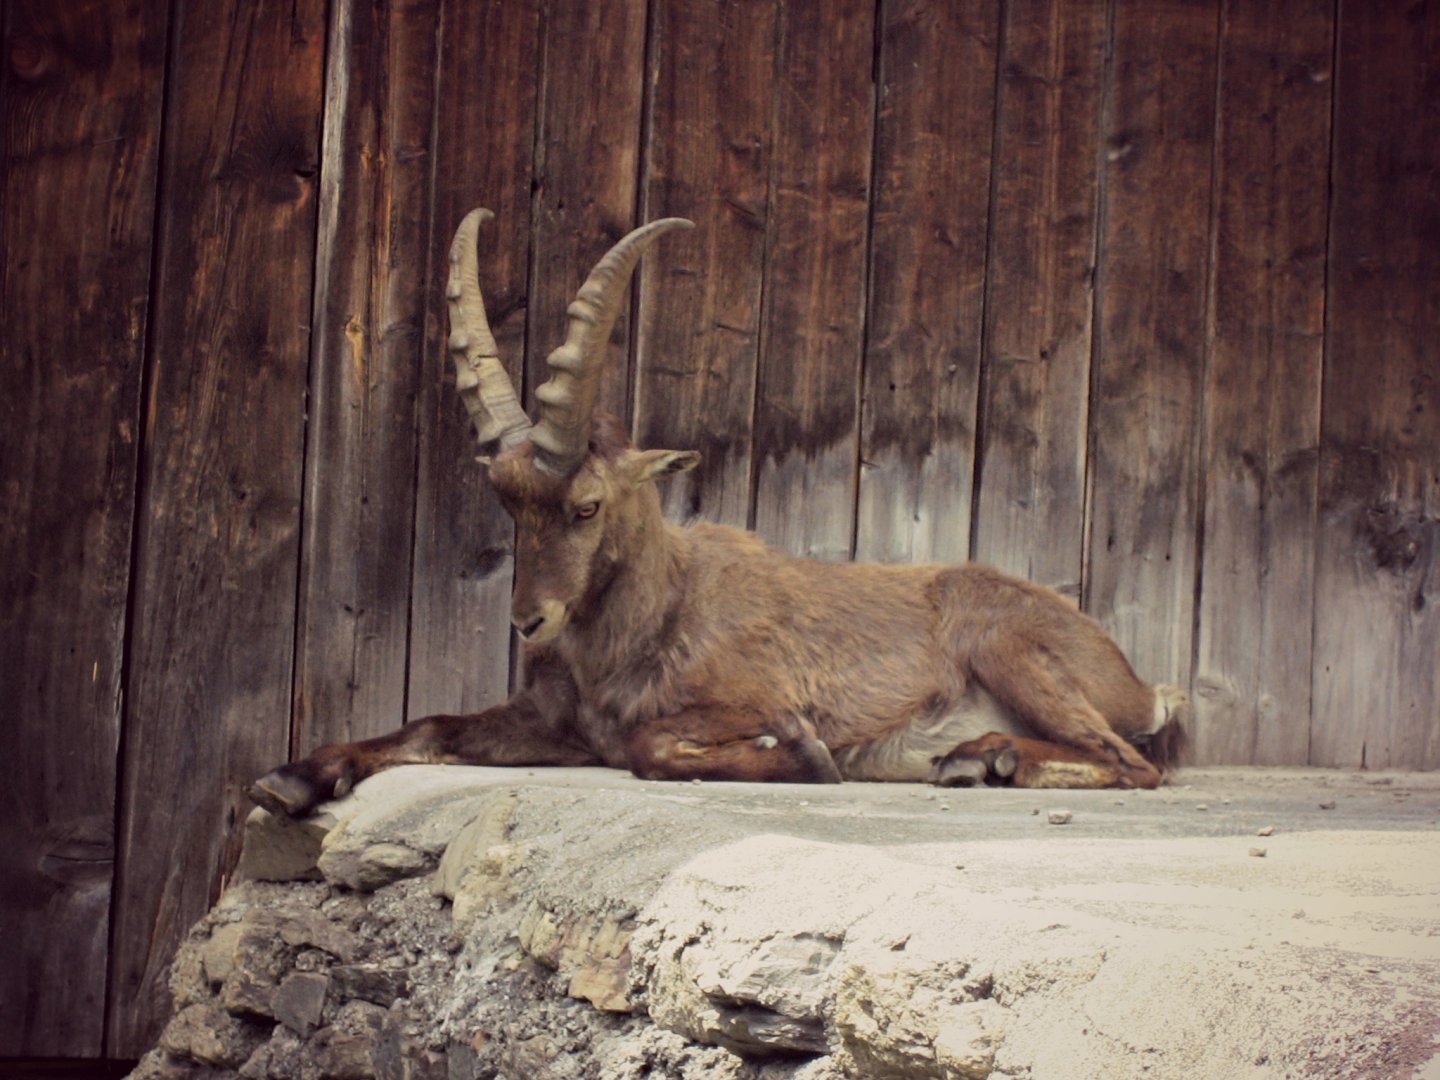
(647, 589)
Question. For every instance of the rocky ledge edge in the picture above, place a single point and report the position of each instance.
(446, 923)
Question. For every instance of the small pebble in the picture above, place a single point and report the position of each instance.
(1328, 804)
(1202, 806)
(1059, 817)
(1268, 830)
(944, 806)
(1257, 852)
(696, 780)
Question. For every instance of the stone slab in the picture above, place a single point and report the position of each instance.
(1242, 922)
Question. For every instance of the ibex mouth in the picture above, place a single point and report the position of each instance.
(543, 625)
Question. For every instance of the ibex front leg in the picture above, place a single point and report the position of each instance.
(504, 735)
(723, 742)
(535, 727)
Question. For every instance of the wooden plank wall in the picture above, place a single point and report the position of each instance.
(82, 86)
(1134, 299)
(211, 642)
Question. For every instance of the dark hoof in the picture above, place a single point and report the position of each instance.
(818, 762)
(1003, 762)
(285, 791)
(991, 759)
(953, 771)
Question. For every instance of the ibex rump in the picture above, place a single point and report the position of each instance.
(701, 653)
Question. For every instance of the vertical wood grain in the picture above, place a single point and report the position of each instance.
(708, 159)
(81, 85)
(1030, 511)
(367, 362)
(213, 626)
(1252, 676)
(1149, 364)
(931, 207)
(813, 330)
(464, 542)
(1295, 476)
(587, 172)
(1377, 599)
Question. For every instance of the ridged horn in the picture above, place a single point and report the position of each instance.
(484, 387)
(561, 436)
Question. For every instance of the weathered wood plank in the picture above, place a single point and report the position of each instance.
(698, 332)
(369, 315)
(1252, 676)
(813, 323)
(1039, 303)
(930, 218)
(213, 626)
(484, 147)
(1144, 416)
(1377, 620)
(82, 87)
(587, 172)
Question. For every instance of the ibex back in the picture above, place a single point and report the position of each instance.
(701, 653)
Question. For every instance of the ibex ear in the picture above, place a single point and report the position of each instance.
(643, 465)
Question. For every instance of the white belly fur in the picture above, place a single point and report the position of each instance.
(906, 753)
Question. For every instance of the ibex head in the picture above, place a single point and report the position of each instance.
(575, 486)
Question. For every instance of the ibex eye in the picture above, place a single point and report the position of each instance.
(586, 510)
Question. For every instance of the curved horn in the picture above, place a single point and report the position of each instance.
(484, 387)
(567, 399)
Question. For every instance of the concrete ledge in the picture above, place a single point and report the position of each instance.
(579, 922)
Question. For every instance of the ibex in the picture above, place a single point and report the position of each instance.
(701, 653)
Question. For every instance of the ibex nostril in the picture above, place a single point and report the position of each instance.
(531, 626)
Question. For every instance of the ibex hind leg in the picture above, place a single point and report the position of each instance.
(1006, 758)
(1073, 744)
(996, 758)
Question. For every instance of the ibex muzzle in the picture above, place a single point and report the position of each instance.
(701, 653)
